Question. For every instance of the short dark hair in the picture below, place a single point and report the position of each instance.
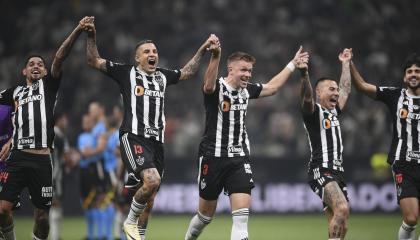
(144, 41)
(322, 79)
(412, 59)
(32, 56)
(237, 56)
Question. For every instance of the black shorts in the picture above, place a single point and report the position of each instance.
(33, 171)
(319, 177)
(233, 175)
(139, 153)
(407, 179)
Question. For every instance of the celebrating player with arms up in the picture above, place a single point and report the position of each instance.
(404, 153)
(322, 126)
(143, 89)
(224, 150)
(29, 164)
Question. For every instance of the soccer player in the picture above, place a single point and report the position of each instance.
(224, 154)
(29, 164)
(404, 154)
(320, 117)
(142, 87)
(60, 153)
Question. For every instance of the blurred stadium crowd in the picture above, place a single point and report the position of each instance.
(381, 33)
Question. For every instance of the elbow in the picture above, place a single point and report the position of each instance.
(208, 89)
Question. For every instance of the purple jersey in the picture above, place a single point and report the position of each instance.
(6, 127)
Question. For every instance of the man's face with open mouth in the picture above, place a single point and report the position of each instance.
(147, 57)
(328, 94)
(34, 69)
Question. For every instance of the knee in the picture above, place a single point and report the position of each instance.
(343, 210)
(411, 219)
(41, 217)
(152, 183)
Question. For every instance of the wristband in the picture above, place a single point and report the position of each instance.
(291, 66)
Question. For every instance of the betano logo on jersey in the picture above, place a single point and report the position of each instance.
(140, 91)
(225, 106)
(328, 123)
(404, 114)
(29, 99)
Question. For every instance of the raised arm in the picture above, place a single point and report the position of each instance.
(64, 50)
(345, 79)
(360, 84)
(306, 93)
(93, 59)
(210, 76)
(192, 66)
(277, 81)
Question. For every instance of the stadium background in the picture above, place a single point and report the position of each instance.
(381, 33)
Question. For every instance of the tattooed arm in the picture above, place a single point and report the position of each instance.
(306, 93)
(192, 66)
(93, 59)
(64, 51)
(345, 79)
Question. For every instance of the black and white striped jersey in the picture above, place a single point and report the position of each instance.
(324, 135)
(225, 131)
(33, 119)
(143, 97)
(405, 111)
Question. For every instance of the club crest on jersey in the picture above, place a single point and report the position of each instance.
(328, 123)
(159, 80)
(203, 184)
(151, 131)
(338, 162)
(234, 149)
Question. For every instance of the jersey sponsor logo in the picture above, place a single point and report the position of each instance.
(46, 192)
(238, 107)
(225, 106)
(140, 91)
(247, 168)
(235, 149)
(32, 98)
(151, 132)
(404, 114)
(413, 154)
(328, 123)
(26, 141)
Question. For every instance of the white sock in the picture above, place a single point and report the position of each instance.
(197, 224)
(333, 239)
(406, 232)
(56, 213)
(36, 238)
(142, 232)
(135, 210)
(240, 224)
(9, 232)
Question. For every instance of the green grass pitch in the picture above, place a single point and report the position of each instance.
(261, 227)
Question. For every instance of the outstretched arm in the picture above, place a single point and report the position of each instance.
(64, 50)
(93, 59)
(306, 93)
(192, 66)
(360, 84)
(345, 79)
(277, 81)
(210, 76)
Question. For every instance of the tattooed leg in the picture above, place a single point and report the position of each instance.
(336, 201)
(151, 182)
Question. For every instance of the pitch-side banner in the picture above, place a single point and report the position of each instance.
(280, 198)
